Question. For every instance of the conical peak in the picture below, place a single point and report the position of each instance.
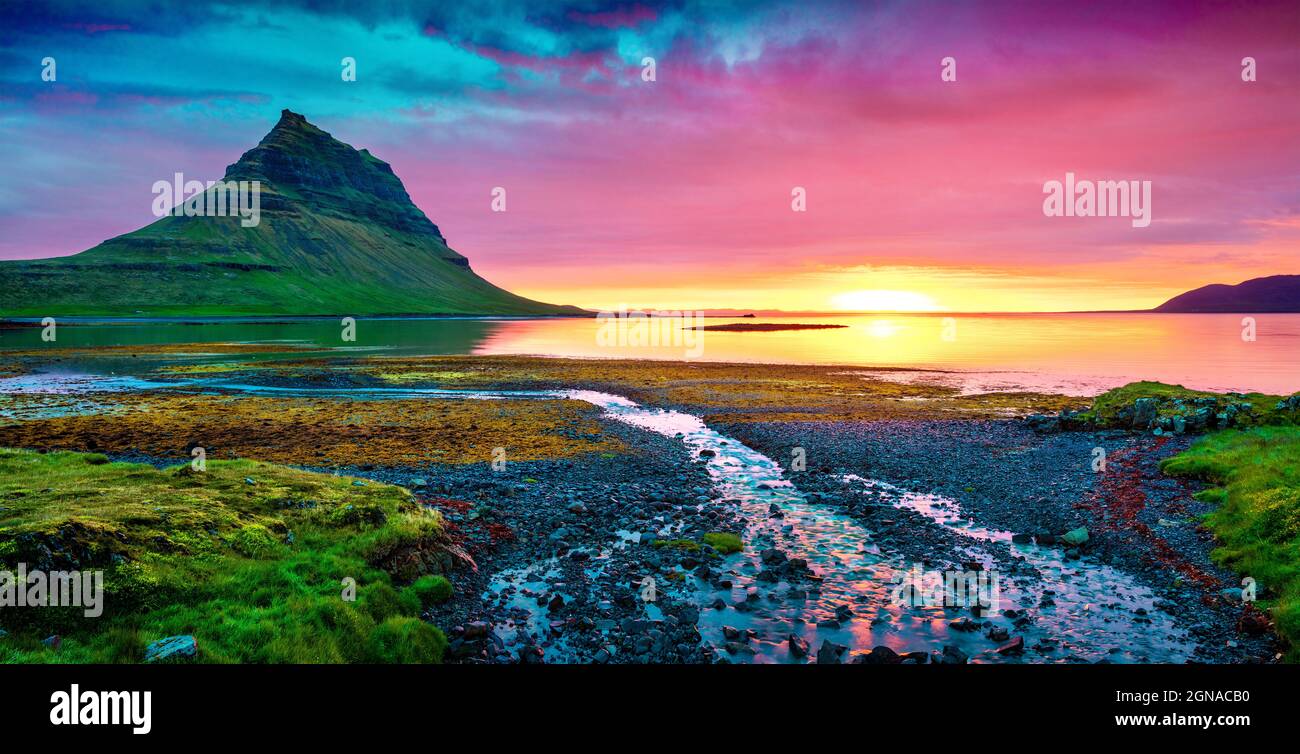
(320, 173)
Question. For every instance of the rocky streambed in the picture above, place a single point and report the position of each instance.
(826, 568)
(616, 559)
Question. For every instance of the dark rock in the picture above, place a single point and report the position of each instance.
(829, 653)
(877, 656)
(183, 647)
(952, 656)
(735, 647)
(1043, 423)
(1144, 413)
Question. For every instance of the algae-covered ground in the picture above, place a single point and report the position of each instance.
(319, 432)
(734, 392)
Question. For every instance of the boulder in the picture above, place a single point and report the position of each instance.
(183, 647)
(877, 656)
(952, 656)
(829, 653)
(1075, 537)
(1144, 412)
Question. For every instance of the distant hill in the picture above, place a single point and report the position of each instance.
(338, 235)
(1277, 293)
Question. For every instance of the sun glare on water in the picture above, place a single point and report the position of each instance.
(882, 328)
(884, 301)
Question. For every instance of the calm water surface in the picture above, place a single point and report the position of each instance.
(1073, 353)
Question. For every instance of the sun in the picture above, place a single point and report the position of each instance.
(884, 301)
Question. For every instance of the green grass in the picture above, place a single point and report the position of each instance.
(1256, 474)
(689, 545)
(253, 571)
(724, 542)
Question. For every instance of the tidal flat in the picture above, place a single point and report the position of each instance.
(622, 511)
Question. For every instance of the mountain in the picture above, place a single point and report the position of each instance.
(1277, 293)
(338, 235)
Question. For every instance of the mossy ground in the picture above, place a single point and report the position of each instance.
(1173, 400)
(1256, 474)
(253, 570)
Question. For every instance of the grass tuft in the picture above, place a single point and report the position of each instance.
(724, 542)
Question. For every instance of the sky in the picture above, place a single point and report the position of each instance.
(919, 193)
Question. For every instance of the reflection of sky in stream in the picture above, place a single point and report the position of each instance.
(1095, 611)
(73, 384)
(1095, 616)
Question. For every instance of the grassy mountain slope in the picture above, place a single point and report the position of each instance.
(338, 235)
